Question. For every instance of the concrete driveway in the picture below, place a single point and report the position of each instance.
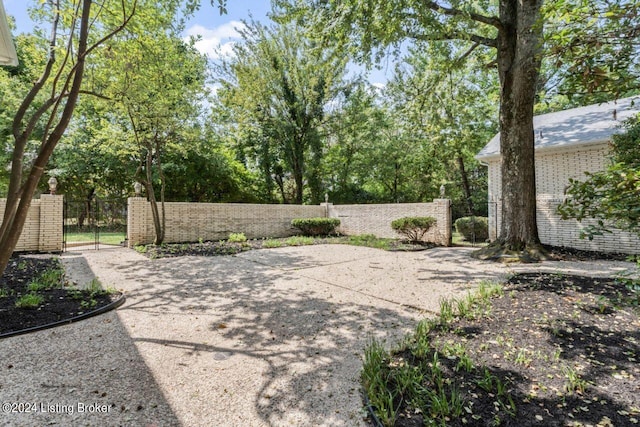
(270, 337)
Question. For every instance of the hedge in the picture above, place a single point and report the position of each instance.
(316, 226)
(473, 227)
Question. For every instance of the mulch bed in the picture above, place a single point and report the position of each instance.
(565, 347)
(223, 247)
(59, 304)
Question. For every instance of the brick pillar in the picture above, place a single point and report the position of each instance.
(137, 219)
(51, 223)
(443, 207)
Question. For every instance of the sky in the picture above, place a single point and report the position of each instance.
(216, 31)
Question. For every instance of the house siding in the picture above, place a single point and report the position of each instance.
(554, 169)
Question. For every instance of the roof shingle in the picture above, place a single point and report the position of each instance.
(577, 126)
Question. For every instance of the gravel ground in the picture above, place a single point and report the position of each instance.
(264, 338)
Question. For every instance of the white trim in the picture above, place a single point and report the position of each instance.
(8, 55)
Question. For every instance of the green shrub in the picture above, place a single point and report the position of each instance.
(316, 226)
(237, 238)
(473, 227)
(413, 227)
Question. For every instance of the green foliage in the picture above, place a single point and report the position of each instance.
(316, 226)
(369, 240)
(30, 300)
(390, 378)
(474, 228)
(374, 377)
(299, 241)
(413, 228)
(272, 243)
(273, 96)
(50, 279)
(592, 47)
(609, 198)
(237, 238)
(575, 382)
(94, 286)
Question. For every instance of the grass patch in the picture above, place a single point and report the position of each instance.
(458, 239)
(272, 243)
(236, 238)
(370, 241)
(106, 237)
(49, 279)
(30, 300)
(299, 241)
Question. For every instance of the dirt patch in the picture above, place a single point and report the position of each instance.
(56, 304)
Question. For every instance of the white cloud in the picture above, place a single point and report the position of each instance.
(218, 41)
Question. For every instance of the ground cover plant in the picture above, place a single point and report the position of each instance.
(34, 292)
(540, 350)
(230, 247)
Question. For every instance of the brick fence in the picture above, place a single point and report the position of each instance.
(376, 219)
(43, 228)
(190, 222)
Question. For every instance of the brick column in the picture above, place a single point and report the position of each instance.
(443, 209)
(137, 213)
(51, 223)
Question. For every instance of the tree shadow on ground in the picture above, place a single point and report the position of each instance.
(296, 342)
(94, 363)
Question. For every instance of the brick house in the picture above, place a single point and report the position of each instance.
(567, 144)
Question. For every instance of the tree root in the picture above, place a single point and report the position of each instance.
(505, 253)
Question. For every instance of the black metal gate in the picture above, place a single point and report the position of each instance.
(94, 222)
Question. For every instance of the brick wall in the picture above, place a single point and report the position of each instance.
(376, 219)
(189, 222)
(43, 228)
(553, 171)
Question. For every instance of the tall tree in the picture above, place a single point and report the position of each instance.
(77, 30)
(452, 107)
(159, 86)
(513, 28)
(355, 130)
(277, 86)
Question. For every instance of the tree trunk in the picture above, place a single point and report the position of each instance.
(155, 214)
(163, 186)
(465, 186)
(20, 193)
(298, 168)
(519, 43)
(16, 215)
(86, 209)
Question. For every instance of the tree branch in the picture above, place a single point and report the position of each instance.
(485, 41)
(468, 52)
(125, 21)
(449, 11)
